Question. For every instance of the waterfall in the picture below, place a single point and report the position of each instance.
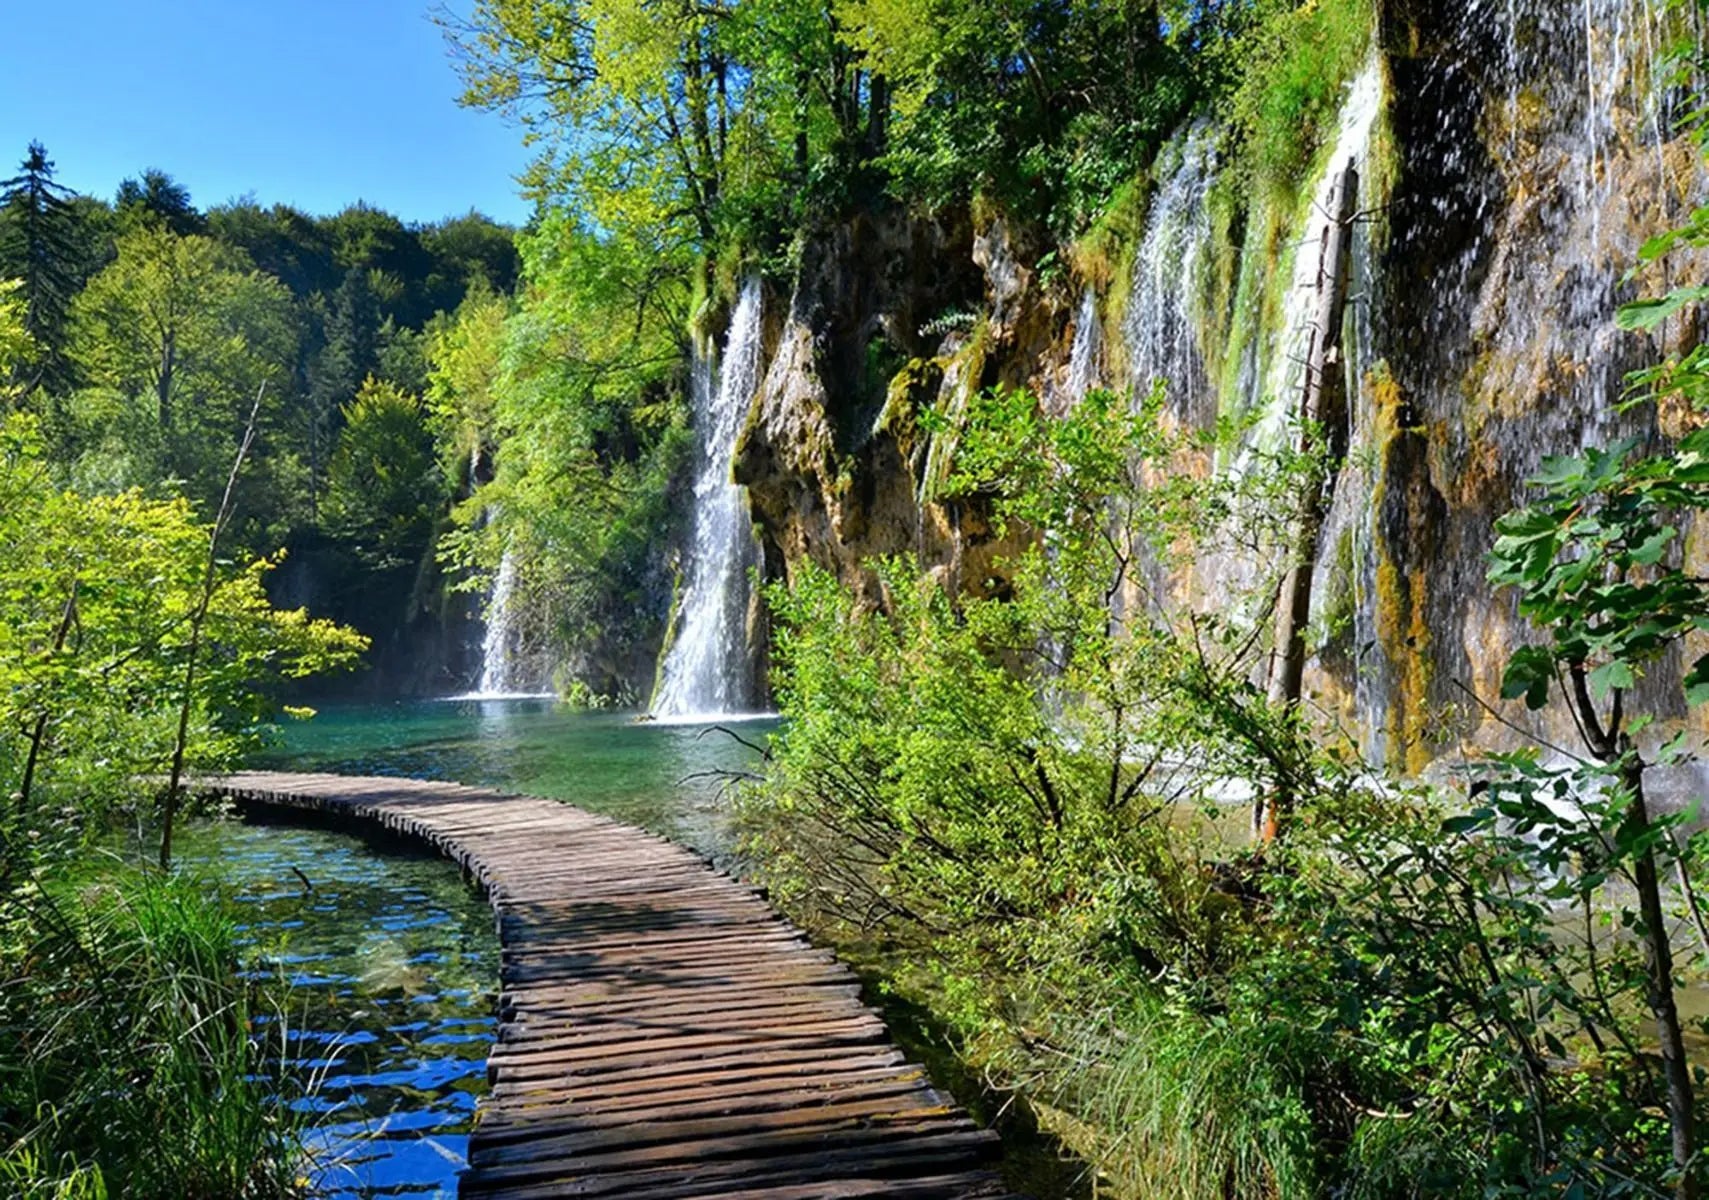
(1084, 355)
(709, 668)
(1161, 327)
(1576, 179)
(497, 665)
(1284, 376)
(1533, 163)
(1265, 380)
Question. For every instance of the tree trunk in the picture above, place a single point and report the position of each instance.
(38, 731)
(1323, 409)
(198, 619)
(1658, 969)
(695, 93)
(803, 105)
(877, 115)
(721, 74)
(163, 380)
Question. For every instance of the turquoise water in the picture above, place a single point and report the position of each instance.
(392, 962)
(397, 954)
(391, 955)
(671, 779)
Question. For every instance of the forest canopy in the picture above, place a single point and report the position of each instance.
(154, 327)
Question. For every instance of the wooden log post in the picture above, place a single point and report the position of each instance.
(1323, 415)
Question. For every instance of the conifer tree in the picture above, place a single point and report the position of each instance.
(39, 247)
(348, 355)
(157, 197)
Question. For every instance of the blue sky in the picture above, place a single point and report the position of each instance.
(317, 103)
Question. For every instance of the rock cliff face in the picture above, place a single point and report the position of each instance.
(833, 456)
(1512, 159)
(1532, 163)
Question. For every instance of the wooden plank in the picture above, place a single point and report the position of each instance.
(663, 1033)
(722, 1091)
(900, 1157)
(672, 1075)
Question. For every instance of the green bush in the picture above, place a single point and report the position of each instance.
(1025, 802)
(1297, 61)
(137, 1061)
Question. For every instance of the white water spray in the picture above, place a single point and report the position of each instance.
(497, 668)
(1284, 381)
(1084, 356)
(1160, 327)
(710, 669)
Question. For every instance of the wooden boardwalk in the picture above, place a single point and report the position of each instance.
(662, 1033)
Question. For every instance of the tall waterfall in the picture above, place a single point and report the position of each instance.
(710, 667)
(497, 651)
(1161, 328)
(1284, 379)
(1535, 156)
(1577, 176)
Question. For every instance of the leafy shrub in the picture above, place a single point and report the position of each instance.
(1297, 61)
(135, 1059)
(1025, 803)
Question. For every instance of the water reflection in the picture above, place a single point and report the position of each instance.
(392, 962)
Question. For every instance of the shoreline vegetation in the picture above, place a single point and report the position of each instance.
(142, 1063)
(241, 448)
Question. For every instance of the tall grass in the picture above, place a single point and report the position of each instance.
(129, 1060)
(1173, 1104)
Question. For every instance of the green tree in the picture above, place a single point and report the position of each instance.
(350, 322)
(574, 404)
(638, 98)
(17, 347)
(39, 246)
(128, 1057)
(176, 337)
(468, 252)
(285, 242)
(96, 595)
(157, 199)
(464, 354)
(384, 489)
(1590, 558)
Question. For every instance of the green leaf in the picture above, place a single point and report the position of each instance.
(1647, 314)
(1469, 822)
(1528, 674)
(1653, 547)
(1611, 675)
(1658, 245)
(1558, 469)
(1697, 681)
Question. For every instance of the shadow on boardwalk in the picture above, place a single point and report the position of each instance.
(662, 1032)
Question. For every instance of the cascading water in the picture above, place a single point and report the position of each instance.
(497, 649)
(1167, 317)
(1284, 376)
(1574, 180)
(1085, 356)
(1534, 159)
(710, 667)
(1088, 346)
(1161, 328)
